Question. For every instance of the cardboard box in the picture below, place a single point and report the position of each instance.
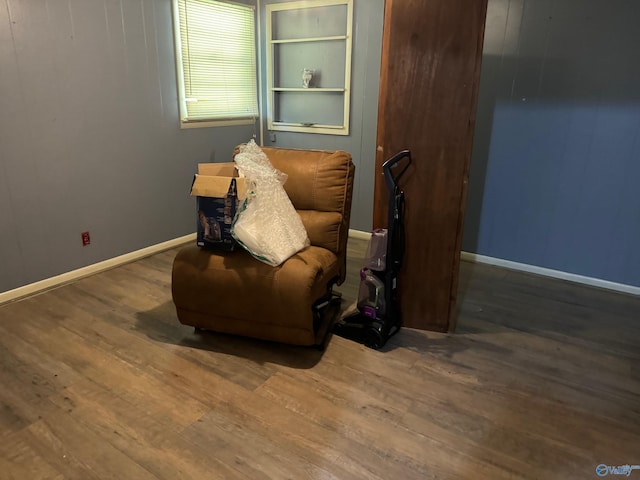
(218, 191)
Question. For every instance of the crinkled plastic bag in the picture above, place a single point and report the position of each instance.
(267, 225)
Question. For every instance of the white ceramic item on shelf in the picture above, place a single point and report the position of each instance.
(307, 75)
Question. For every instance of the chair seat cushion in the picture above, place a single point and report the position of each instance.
(245, 296)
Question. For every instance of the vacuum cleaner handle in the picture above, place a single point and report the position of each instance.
(395, 243)
(390, 180)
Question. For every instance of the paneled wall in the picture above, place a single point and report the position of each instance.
(556, 161)
(89, 135)
(90, 140)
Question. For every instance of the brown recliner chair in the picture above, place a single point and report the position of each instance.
(232, 292)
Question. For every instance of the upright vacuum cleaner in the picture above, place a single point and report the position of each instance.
(378, 316)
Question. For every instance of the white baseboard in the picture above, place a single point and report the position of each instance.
(547, 272)
(74, 275)
(58, 280)
(523, 267)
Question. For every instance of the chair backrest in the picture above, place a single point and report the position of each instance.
(320, 186)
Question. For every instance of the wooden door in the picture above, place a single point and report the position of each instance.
(431, 55)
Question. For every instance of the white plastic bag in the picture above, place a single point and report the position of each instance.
(267, 225)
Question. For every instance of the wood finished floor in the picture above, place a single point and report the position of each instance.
(99, 380)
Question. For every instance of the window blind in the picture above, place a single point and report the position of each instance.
(218, 60)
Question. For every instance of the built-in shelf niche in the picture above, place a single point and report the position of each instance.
(313, 35)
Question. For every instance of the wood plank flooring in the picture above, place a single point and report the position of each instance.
(99, 380)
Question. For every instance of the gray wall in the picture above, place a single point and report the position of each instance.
(556, 158)
(89, 135)
(365, 79)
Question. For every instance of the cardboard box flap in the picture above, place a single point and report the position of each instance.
(216, 186)
(218, 169)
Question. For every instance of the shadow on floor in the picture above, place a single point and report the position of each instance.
(161, 324)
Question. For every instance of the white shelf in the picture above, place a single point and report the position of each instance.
(307, 125)
(309, 128)
(310, 89)
(310, 39)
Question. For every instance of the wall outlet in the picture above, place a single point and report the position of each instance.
(86, 239)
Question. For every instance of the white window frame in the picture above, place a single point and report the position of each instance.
(215, 120)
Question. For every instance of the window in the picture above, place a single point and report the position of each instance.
(216, 62)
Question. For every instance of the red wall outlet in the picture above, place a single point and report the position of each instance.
(86, 239)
